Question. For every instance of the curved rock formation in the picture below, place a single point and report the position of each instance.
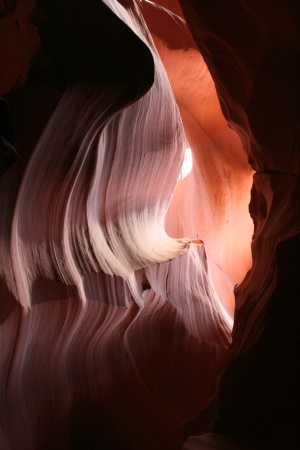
(125, 225)
(254, 68)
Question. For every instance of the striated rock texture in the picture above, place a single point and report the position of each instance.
(255, 67)
(125, 223)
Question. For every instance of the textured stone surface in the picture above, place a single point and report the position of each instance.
(125, 224)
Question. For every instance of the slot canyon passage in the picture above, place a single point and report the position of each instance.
(150, 219)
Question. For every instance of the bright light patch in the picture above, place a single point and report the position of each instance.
(187, 164)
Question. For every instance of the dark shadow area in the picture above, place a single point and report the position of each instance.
(91, 429)
(259, 391)
(83, 39)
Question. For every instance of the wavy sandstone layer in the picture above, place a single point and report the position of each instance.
(252, 49)
(125, 224)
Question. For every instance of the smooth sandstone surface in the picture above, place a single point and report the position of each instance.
(150, 229)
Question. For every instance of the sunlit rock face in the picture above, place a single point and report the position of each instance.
(254, 68)
(125, 227)
(213, 198)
